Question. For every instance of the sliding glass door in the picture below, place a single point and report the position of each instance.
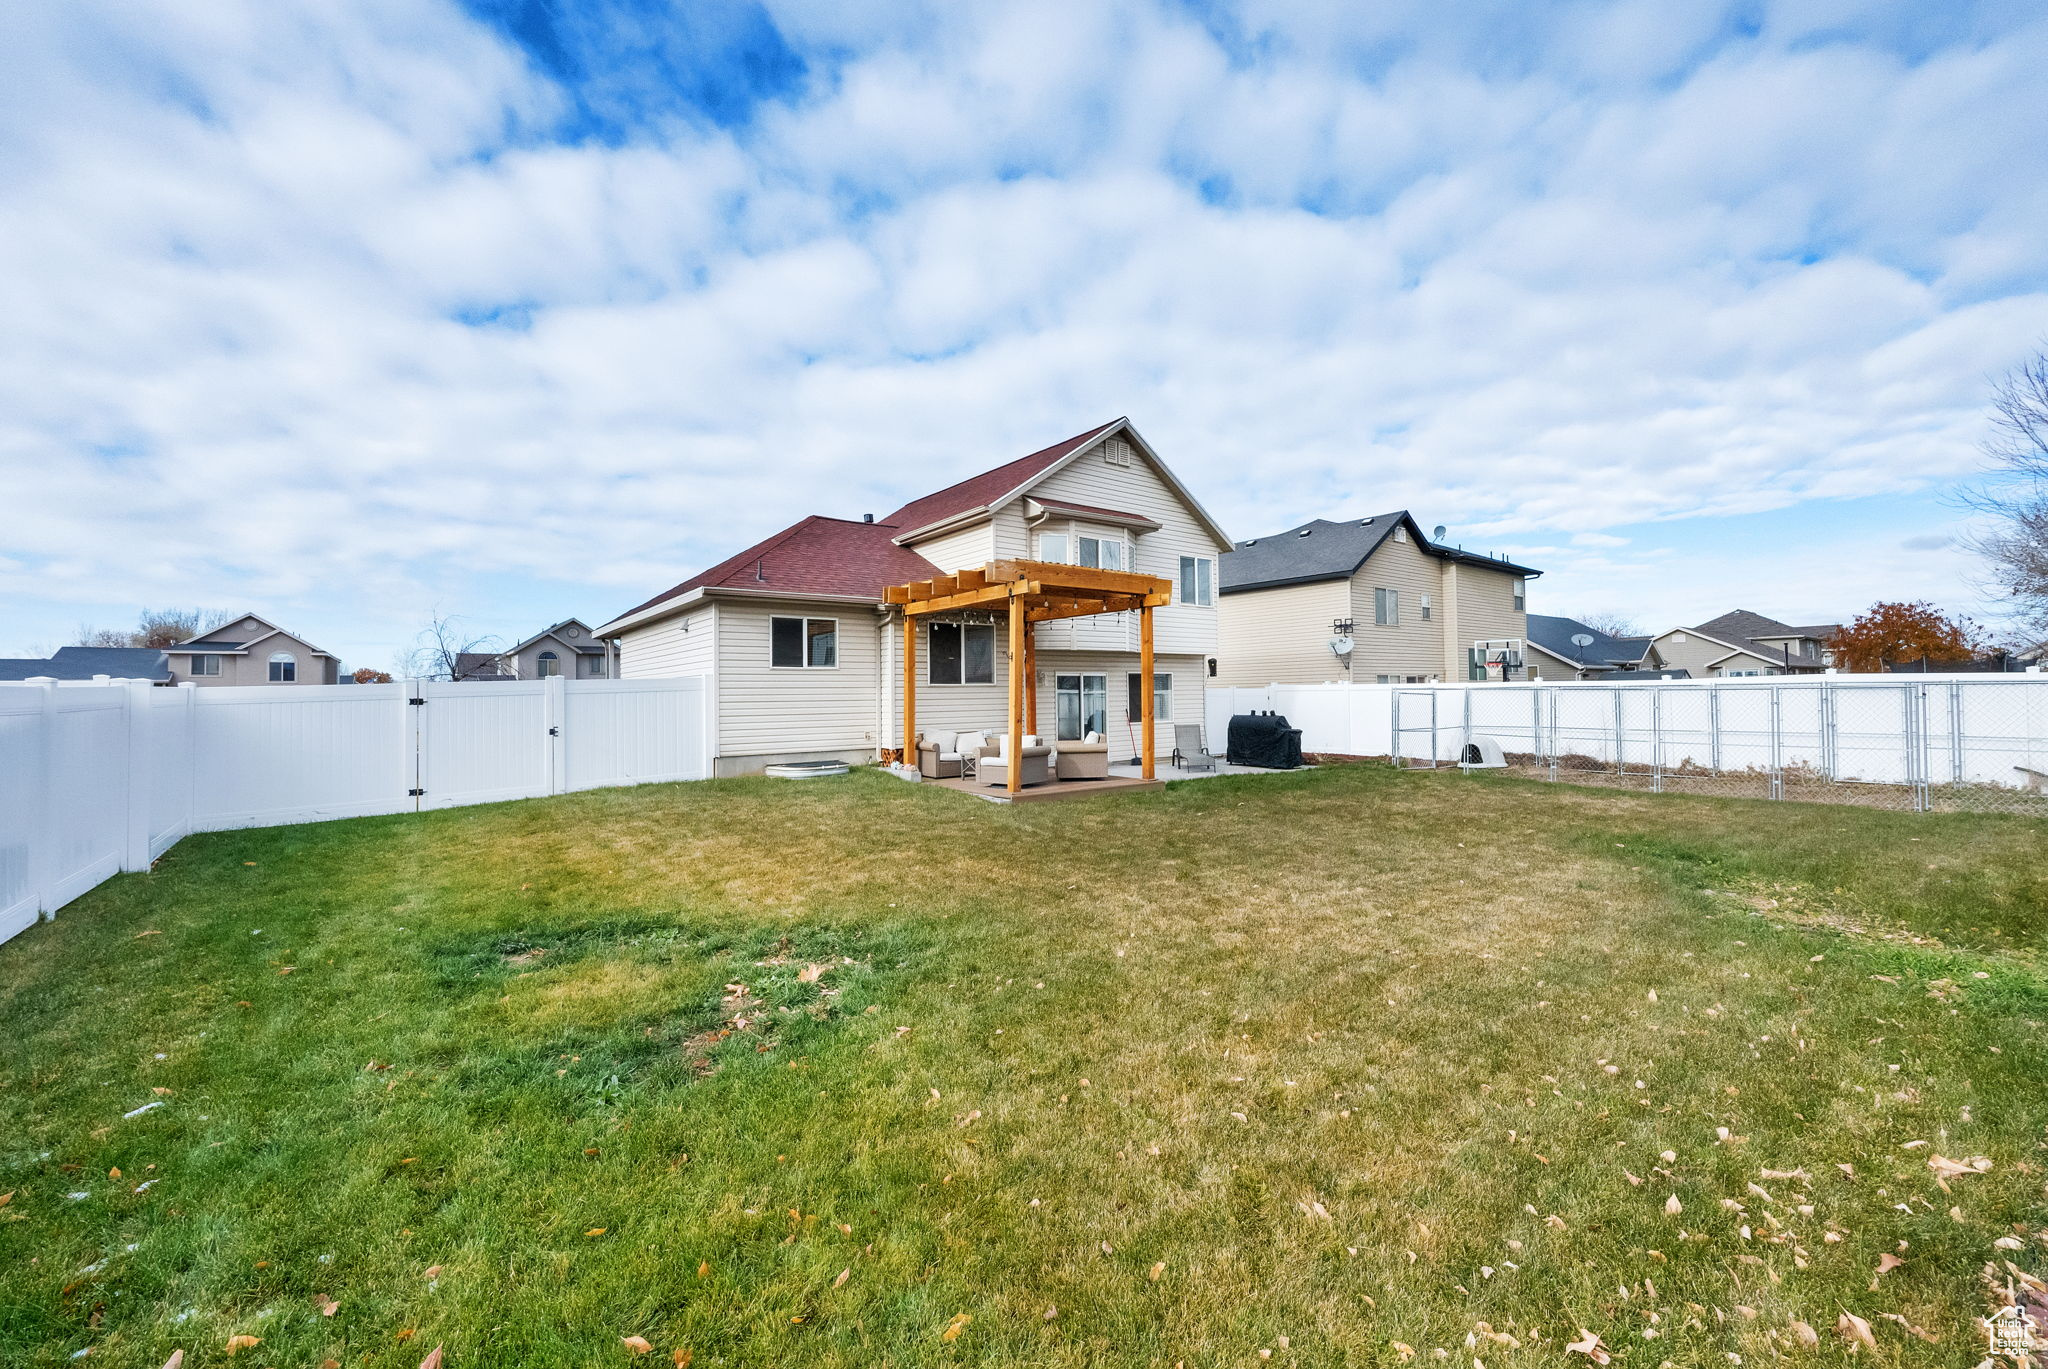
(1083, 705)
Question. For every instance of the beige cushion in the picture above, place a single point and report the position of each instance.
(968, 743)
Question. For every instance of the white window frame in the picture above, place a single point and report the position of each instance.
(1428, 609)
(1386, 607)
(932, 655)
(206, 664)
(290, 664)
(804, 636)
(1197, 583)
(1101, 542)
(1066, 541)
(543, 661)
(1162, 695)
(1519, 588)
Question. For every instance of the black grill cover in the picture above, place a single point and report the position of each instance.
(1264, 740)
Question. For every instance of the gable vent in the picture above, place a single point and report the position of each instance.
(1117, 452)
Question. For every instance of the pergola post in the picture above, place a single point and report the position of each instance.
(1145, 688)
(909, 688)
(1016, 693)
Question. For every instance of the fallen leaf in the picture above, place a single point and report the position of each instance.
(1957, 1169)
(6, 1198)
(1157, 1270)
(1887, 1262)
(1920, 1332)
(703, 1268)
(114, 1173)
(330, 1364)
(1588, 1345)
(407, 1334)
(683, 1358)
(811, 974)
(176, 1360)
(956, 1326)
(1854, 1328)
(328, 1306)
(1404, 1350)
(138, 936)
(161, 1091)
(433, 1271)
(1672, 1206)
(1808, 1337)
(433, 1359)
(844, 1275)
(236, 1344)
(595, 1231)
(637, 1344)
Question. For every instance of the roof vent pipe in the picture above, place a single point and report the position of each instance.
(867, 518)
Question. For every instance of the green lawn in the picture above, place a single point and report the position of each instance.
(1340, 1066)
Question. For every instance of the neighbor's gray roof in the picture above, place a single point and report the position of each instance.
(1323, 550)
(1747, 630)
(1555, 635)
(206, 646)
(1673, 673)
(84, 662)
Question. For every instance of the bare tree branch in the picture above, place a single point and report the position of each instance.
(1614, 624)
(436, 652)
(2014, 496)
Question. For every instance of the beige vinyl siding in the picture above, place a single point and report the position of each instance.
(1182, 629)
(1413, 647)
(253, 668)
(1486, 610)
(941, 707)
(1190, 678)
(682, 645)
(763, 710)
(1280, 635)
(1696, 652)
(968, 548)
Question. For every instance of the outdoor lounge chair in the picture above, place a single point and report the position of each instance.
(1032, 763)
(1087, 759)
(938, 756)
(1189, 753)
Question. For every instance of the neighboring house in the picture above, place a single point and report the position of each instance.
(85, 662)
(805, 660)
(568, 649)
(1413, 610)
(1553, 655)
(251, 651)
(1743, 643)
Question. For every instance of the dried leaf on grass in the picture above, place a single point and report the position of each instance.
(433, 1359)
(237, 1344)
(1588, 1344)
(1855, 1330)
(1945, 1168)
(956, 1326)
(176, 1361)
(1808, 1337)
(637, 1344)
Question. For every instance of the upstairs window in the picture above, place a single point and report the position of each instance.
(1386, 607)
(1104, 553)
(803, 643)
(1052, 546)
(284, 668)
(1521, 591)
(1198, 580)
(962, 653)
(1427, 611)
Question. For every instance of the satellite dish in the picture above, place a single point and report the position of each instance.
(1581, 639)
(1438, 535)
(1341, 645)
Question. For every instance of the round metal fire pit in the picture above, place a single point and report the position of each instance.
(805, 770)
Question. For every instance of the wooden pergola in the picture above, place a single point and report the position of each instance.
(1035, 592)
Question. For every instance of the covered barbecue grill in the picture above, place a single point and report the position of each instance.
(1264, 740)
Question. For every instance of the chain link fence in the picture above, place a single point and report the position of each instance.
(1972, 745)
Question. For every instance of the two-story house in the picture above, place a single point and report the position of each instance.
(568, 648)
(1370, 600)
(250, 650)
(804, 657)
(1743, 643)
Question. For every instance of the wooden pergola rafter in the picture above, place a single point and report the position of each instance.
(1029, 592)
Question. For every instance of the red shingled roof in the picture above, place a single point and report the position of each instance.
(975, 491)
(816, 556)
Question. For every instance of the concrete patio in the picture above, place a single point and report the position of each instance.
(1123, 778)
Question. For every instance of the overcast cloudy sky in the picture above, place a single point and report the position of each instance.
(526, 308)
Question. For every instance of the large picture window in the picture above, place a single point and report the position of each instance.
(1104, 553)
(1197, 580)
(962, 653)
(1082, 705)
(803, 643)
(206, 665)
(284, 668)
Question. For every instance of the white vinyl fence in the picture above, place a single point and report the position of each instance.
(1919, 742)
(102, 777)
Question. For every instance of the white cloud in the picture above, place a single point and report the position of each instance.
(1579, 273)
